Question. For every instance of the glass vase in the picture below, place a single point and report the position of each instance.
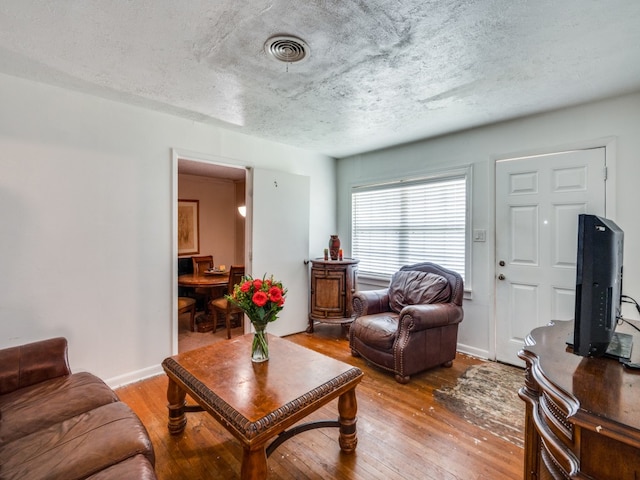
(260, 345)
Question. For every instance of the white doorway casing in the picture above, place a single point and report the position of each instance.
(538, 199)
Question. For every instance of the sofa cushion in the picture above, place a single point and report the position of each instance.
(413, 287)
(78, 447)
(377, 330)
(39, 406)
(137, 467)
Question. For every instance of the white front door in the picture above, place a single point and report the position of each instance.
(538, 200)
(280, 241)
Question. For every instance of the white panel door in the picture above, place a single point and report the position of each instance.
(538, 200)
(279, 219)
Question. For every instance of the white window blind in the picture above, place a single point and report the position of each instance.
(404, 223)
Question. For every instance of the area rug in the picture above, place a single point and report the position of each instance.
(486, 395)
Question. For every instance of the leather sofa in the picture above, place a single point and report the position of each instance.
(412, 325)
(59, 425)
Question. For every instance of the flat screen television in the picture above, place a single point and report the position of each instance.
(599, 289)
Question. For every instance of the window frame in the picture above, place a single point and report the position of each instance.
(433, 176)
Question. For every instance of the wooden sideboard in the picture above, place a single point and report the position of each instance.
(582, 414)
(333, 283)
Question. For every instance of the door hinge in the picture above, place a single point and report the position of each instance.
(605, 173)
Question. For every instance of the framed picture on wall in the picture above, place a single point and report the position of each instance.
(188, 227)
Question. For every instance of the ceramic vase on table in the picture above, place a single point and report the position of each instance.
(334, 247)
(260, 345)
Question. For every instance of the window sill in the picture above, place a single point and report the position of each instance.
(377, 282)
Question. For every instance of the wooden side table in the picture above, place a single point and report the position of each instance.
(582, 413)
(333, 283)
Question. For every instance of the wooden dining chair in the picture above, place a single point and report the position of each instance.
(201, 264)
(223, 306)
(187, 304)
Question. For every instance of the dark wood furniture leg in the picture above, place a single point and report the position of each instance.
(177, 402)
(192, 318)
(254, 463)
(347, 410)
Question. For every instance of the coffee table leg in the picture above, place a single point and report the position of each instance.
(177, 418)
(347, 410)
(254, 464)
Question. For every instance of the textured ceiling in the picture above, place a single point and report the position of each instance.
(380, 72)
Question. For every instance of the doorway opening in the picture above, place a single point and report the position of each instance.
(217, 190)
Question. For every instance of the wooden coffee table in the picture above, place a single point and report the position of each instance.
(256, 402)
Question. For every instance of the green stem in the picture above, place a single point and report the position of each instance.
(260, 346)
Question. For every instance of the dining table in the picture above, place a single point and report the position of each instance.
(204, 280)
(210, 281)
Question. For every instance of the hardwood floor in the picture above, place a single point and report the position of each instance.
(403, 433)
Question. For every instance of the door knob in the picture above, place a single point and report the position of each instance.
(501, 277)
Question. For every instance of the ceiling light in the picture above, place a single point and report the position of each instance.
(286, 48)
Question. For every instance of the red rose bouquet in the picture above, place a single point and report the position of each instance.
(261, 300)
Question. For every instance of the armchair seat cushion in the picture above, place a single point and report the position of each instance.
(378, 330)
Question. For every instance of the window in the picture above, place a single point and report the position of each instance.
(408, 222)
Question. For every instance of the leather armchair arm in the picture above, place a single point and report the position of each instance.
(368, 302)
(423, 317)
(32, 363)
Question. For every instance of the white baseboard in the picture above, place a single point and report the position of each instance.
(474, 352)
(135, 376)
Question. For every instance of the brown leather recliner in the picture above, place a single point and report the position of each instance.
(413, 324)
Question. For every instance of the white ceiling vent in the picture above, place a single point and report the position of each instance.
(286, 48)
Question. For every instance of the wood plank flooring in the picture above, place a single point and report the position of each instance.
(403, 433)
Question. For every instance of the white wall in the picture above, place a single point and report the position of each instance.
(85, 211)
(618, 117)
(218, 214)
